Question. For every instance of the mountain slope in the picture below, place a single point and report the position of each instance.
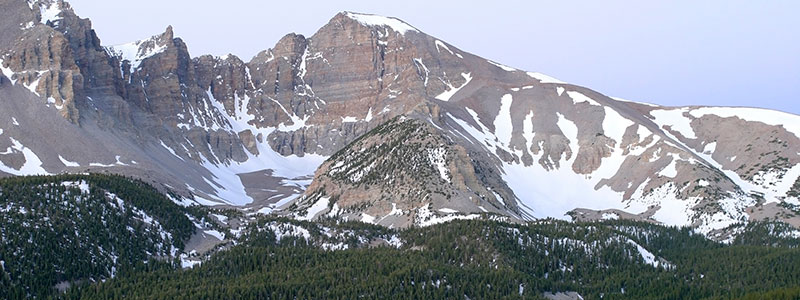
(61, 230)
(222, 131)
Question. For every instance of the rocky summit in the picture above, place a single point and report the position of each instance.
(371, 119)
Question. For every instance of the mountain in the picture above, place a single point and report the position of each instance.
(371, 119)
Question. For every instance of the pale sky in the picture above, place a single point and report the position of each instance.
(731, 53)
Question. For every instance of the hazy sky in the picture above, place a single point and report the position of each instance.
(734, 53)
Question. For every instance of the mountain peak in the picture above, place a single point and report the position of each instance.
(371, 20)
(136, 52)
(168, 33)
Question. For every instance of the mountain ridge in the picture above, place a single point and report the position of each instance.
(251, 134)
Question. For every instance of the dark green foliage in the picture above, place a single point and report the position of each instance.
(778, 294)
(479, 259)
(776, 234)
(795, 190)
(54, 232)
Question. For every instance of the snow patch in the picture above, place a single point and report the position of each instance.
(544, 78)
(136, 52)
(82, 185)
(676, 120)
(297, 123)
(426, 217)
(367, 218)
(26, 26)
(369, 115)
(438, 158)
(33, 85)
(225, 177)
(50, 12)
(374, 20)
(527, 130)
(610, 216)
(570, 131)
(439, 45)
(289, 230)
(215, 234)
(615, 125)
(452, 90)
(448, 210)
(710, 148)
(419, 63)
(68, 163)
(648, 257)
(316, 208)
(395, 211)
(32, 165)
(672, 211)
(578, 97)
(629, 101)
(502, 66)
(670, 170)
(502, 123)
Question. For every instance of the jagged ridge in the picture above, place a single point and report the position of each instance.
(223, 131)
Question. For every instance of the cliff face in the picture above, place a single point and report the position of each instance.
(432, 132)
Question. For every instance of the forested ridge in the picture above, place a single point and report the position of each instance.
(474, 259)
(66, 229)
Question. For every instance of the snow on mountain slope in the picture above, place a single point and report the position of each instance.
(676, 120)
(136, 52)
(664, 188)
(779, 169)
(380, 21)
(770, 117)
(31, 164)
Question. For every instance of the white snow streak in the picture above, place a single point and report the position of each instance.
(315, 209)
(68, 163)
(544, 78)
(452, 90)
(502, 123)
(578, 97)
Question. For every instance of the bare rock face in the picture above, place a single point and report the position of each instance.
(90, 57)
(58, 56)
(42, 61)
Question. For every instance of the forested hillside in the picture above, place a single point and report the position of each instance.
(475, 259)
(110, 237)
(66, 229)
